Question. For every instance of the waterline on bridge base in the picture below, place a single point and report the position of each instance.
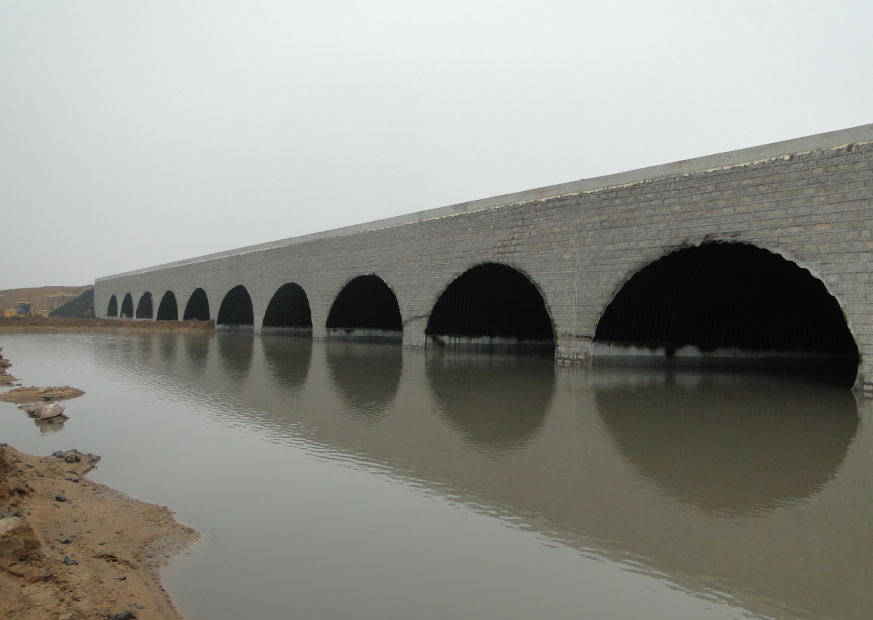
(611, 354)
(488, 342)
(301, 332)
(363, 334)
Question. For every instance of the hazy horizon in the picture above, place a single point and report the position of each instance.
(135, 135)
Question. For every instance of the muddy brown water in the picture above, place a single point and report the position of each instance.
(343, 480)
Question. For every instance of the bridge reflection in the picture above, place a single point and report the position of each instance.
(728, 441)
(710, 480)
(497, 402)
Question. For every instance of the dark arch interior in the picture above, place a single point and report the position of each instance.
(491, 301)
(289, 308)
(727, 295)
(112, 310)
(127, 307)
(145, 309)
(236, 308)
(365, 303)
(197, 306)
(497, 402)
(727, 441)
(168, 310)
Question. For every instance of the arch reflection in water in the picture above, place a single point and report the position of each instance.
(497, 401)
(167, 345)
(197, 351)
(728, 441)
(288, 362)
(235, 351)
(365, 375)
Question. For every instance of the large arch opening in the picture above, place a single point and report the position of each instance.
(236, 311)
(167, 309)
(145, 308)
(725, 303)
(112, 309)
(366, 307)
(491, 304)
(288, 311)
(197, 306)
(127, 307)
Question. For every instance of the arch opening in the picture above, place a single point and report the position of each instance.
(236, 311)
(112, 309)
(491, 304)
(145, 309)
(725, 304)
(365, 307)
(289, 311)
(167, 309)
(197, 306)
(127, 307)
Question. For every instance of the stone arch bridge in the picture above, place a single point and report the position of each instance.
(754, 254)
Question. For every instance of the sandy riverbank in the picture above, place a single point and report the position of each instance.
(33, 325)
(74, 549)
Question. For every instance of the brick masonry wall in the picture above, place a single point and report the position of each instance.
(811, 206)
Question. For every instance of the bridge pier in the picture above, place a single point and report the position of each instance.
(413, 332)
(571, 350)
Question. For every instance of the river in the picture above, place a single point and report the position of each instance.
(342, 480)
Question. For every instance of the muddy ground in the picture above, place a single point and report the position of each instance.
(33, 325)
(73, 549)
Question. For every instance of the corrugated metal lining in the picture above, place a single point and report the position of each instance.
(236, 308)
(197, 306)
(726, 295)
(289, 307)
(127, 307)
(491, 300)
(168, 310)
(365, 303)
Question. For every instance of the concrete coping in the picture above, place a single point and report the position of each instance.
(828, 140)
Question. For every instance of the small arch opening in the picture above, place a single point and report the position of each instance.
(725, 304)
(491, 304)
(236, 311)
(197, 306)
(144, 309)
(127, 307)
(112, 309)
(167, 309)
(288, 311)
(365, 307)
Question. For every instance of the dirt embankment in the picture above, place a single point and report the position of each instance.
(43, 325)
(42, 298)
(74, 549)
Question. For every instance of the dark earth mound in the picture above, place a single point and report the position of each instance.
(79, 308)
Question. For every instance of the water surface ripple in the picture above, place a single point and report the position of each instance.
(359, 480)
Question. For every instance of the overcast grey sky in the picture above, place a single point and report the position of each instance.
(133, 134)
